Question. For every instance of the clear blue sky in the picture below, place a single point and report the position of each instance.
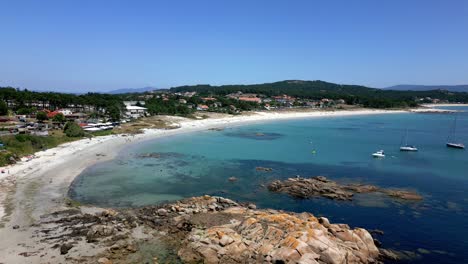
(104, 45)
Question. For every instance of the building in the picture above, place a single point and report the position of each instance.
(65, 112)
(134, 111)
(130, 103)
(250, 99)
(202, 107)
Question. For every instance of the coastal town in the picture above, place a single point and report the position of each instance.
(33, 121)
(234, 132)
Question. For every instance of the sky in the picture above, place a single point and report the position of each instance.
(80, 46)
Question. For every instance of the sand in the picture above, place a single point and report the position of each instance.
(31, 189)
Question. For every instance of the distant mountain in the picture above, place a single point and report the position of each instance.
(133, 90)
(412, 87)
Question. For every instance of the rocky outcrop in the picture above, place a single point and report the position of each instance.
(208, 229)
(267, 236)
(320, 186)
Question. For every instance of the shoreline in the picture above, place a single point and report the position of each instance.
(433, 105)
(40, 186)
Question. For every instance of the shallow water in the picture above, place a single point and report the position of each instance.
(339, 148)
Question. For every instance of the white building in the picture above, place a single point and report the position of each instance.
(135, 111)
(65, 112)
(129, 103)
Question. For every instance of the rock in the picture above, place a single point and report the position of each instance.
(324, 221)
(320, 186)
(263, 169)
(104, 261)
(252, 206)
(98, 231)
(259, 236)
(64, 248)
(225, 240)
(377, 232)
(389, 254)
(162, 212)
(377, 243)
(232, 179)
(405, 195)
(16, 227)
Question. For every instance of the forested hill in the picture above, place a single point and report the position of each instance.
(291, 87)
(353, 94)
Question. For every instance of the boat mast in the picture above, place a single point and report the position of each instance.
(453, 129)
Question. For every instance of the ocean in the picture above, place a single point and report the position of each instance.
(435, 230)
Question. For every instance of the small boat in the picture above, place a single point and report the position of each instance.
(456, 145)
(379, 154)
(450, 142)
(405, 146)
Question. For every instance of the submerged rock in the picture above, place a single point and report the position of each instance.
(320, 186)
(263, 169)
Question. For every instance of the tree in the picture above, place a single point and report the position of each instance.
(41, 116)
(72, 129)
(24, 111)
(59, 118)
(3, 108)
(113, 111)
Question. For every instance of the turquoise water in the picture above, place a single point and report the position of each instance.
(339, 148)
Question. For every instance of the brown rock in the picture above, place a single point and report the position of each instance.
(104, 261)
(320, 186)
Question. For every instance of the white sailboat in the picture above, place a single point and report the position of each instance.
(406, 146)
(451, 143)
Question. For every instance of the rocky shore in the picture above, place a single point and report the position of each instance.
(320, 186)
(202, 230)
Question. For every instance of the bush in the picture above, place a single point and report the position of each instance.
(72, 129)
(22, 137)
(3, 108)
(60, 118)
(41, 116)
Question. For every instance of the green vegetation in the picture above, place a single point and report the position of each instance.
(72, 129)
(158, 106)
(102, 133)
(41, 116)
(59, 118)
(352, 94)
(23, 144)
(27, 100)
(3, 108)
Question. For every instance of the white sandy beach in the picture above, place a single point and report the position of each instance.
(40, 186)
(435, 105)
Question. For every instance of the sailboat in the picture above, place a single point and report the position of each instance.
(450, 142)
(406, 147)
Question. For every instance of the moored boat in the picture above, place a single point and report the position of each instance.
(405, 146)
(408, 148)
(455, 145)
(379, 154)
(450, 142)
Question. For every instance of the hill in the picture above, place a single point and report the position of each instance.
(132, 90)
(412, 87)
(352, 94)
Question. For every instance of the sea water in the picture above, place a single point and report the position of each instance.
(340, 148)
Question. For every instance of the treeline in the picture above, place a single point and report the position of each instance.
(352, 94)
(26, 102)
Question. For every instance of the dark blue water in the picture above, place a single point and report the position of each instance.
(339, 148)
